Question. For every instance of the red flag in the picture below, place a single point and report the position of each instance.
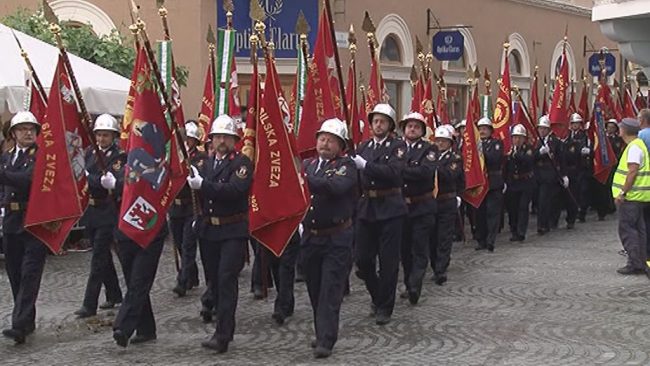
(354, 125)
(279, 199)
(426, 106)
(534, 99)
(604, 157)
(629, 109)
(376, 92)
(503, 108)
(37, 103)
(58, 194)
(207, 104)
(441, 105)
(476, 183)
(521, 118)
(583, 104)
(248, 142)
(130, 99)
(319, 103)
(639, 101)
(154, 173)
(558, 110)
(572, 102)
(416, 95)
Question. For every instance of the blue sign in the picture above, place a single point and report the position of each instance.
(281, 16)
(448, 45)
(594, 64)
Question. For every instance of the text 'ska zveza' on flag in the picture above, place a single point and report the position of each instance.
(154, 173)
(279, 199)
(58, 194)
(476, 184)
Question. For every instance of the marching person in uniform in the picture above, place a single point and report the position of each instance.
(381, 211)
(326, 247)
(101, 217)
(418, 192)
(24, 253)
(576, 154)
(283, 269)
(451, 184)
(224, 183)
(549, 171)
(520, 177)
(181, 218)
(488, 215)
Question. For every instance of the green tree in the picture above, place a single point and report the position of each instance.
(113, 52)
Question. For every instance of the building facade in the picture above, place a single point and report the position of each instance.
(534, 29)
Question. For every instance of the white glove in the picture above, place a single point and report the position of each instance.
(108, 180)
(585, 151)
(505, 188)
(359, 161)
(458, 201)
(544, 150)
(565, 182)
(87, 174)
(196, 180)
(301, 229)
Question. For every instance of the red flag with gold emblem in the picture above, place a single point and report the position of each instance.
(426, 106)
(319, 104)
(476, 183)
(154, 172)
(130, 99)
(58, 194)
(503, 108)
(207, 104)
(279, 198)
(558, 109)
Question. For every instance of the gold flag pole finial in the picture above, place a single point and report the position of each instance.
(302, 28)
(256, 12)
(229, 8)
(352, 40)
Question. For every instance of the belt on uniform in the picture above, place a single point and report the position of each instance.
(376, 193)
(332, 230)
(182, 201)
(16, 206)
(522, 176)
(420, 198)
(446, 196)
(96, 201)
(224, 220)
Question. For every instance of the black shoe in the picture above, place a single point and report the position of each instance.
(313, 343)
(142, 338)
(404, 294)
(180, 290)
(542, 231)
(84, 312)
(630, 271)
(120, 338)
(214, 344)
(490, 248)
(382, 319)
(480, 247)
(206, 315)
(414, 297)
(109, 304)
(258, 294)
(570, 226)
(514, 237)
(440, 279)
(279, 318)
(582, 219)
(322, 352)
(17, 335)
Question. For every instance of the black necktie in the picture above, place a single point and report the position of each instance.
(321, 164)
(19, 156)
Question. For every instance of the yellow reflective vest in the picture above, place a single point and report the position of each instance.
(640, 191)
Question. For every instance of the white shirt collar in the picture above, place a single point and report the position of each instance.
(380, 142)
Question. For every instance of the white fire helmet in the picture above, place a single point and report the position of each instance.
(519, 130)
(192, 130)
(224, 125)
(336, 127)
(544, 121)
(106, 122)
(24, 117)
(384, 109)
(413, 116)
(484, 122)
(462, 123)
(443, 132)
(613, 120)
(575, 118)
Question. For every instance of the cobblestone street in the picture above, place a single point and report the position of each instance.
(553, 300)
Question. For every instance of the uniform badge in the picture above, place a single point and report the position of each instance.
(117, 165)
(419, 145)
(388, 144)
(199, 164)
(341, 171)
(453, 166)
(572, 149)
(530, 152)
(242, 172)
(400, 153)
(496, 147)
(431, 156)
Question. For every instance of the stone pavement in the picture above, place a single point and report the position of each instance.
(553, 300)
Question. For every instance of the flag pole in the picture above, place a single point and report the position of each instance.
(337, 59)
(85, 116)
(30, 67)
